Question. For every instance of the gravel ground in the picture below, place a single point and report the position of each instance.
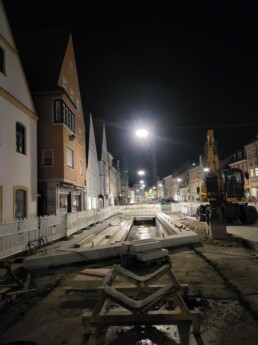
(222, 281)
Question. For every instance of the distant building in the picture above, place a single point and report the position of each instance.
(101, 144)
(168, 187)
(124, 185)
(94, 201)
(18, 133)
(252, 166)
(194, 183)
(114, 181)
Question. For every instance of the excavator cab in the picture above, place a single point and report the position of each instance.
(212, 187)
(233, 184)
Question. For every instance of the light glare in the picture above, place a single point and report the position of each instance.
(142, 133)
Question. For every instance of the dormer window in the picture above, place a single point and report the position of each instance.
(78, 104)
(71, 67)
(71, 94)
(64, 84)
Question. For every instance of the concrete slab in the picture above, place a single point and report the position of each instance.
(143, 246)
(186, 237)
(248, 233)
(151, 254)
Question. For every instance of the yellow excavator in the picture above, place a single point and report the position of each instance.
(222, 190)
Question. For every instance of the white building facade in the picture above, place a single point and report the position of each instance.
(18, 133)
(93, 176)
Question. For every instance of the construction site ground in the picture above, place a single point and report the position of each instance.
(222, 278)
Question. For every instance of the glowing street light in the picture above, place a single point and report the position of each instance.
(141, 172)
(142, 133)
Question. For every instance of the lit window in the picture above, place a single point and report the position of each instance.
(47, 158)
(69, 157)
(76, 203)
(63, 201)
(256, 171)
(20, 138)
(20, 203)
(2, 60)
(252, 172)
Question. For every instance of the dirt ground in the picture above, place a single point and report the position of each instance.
(222, 282)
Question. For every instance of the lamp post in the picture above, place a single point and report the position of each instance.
(143, 133)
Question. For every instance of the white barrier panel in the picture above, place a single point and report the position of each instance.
(16, 236)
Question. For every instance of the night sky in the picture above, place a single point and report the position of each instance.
(182, 67)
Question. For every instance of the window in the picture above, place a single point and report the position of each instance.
(20, 203)
(77, 104)
(71, 94)
(76, 203)
(71, 67)
(58, 112)
(63, 114)
(69, 157)
(65, 84)
(47, 158)
(2, 60)
(80, 136)
(252, 172)
(256, 171)
(63, 202)
(20, 138)
(81, 167)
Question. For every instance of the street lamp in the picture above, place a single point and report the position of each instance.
(143, 133)
(141, 172)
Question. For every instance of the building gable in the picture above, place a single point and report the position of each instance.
(13, 84)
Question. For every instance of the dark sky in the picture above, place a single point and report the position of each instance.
(182, 66)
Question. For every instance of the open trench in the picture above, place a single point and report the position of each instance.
(142, 228)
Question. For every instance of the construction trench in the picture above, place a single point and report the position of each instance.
(144, 291)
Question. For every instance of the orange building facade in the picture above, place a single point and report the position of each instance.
(61, 143)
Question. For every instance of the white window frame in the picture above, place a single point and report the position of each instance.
(20, 139)
(71, 94)
(44, 158)
(81, 167)
(65, 84)
(69, 157)
(80, 136)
